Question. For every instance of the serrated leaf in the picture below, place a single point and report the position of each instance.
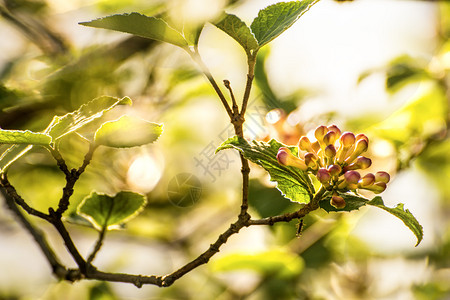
(140, 25)
(109, 212)
(273, 262)
(127, 132)
(12, 154)
(403, 214)
(352, 202)
(62, 125)
(24, 137)
(238, 30)
(293, 183)
(275, 19)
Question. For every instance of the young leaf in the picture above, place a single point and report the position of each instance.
(12, 154)
(127, 132)
(294, 184)
(24, 137)
(238, 30)
(62, 125)
(108, 212)
(355, 202)
(141, 25)
(275, 19)
(405, 215)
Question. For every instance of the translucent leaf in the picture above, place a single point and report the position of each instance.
(141, 25)
(62, 125)
(24, 137)
(238, 30)
(273, 262)
(355, 202)
(127, 132)
(106, 211)
(275, 19)
(12, 154)
(292, 182)
(405, 215)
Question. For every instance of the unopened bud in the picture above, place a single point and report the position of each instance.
(311, 160)
(337, 202)
(362, 136)
(315, 146)
(360, 147)
(335, 170)
(347, 139)
(323, 175)
(377, 187)
(330, 151)
(361, 163)
(352, 177)
(320, 132)
(336, 129)
(285, 157)
(330, 138)
(305, 144)
(382, 176)
(367, 180)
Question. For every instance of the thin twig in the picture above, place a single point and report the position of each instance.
(233, 99)
(59, 225)
(248, 86)
(98, 245)
(196, 57)
(58, 269)
(11, 191)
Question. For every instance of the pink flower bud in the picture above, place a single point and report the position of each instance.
(285, 157)
(362, 136)
(382, 176)
(361, 146)
(329, 138)
(305, 144)
(337, 202)
(367, 180)
(320, 132)
(361, 162)
(377, 187)
(335, 170)
(347, 139)
(311, 160)
(315, 146)
(330, 151)
(352, 177)
(323, 175)
(336, 129)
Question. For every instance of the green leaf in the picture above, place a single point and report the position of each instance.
(281, 263)
(108, 212)
(238, 30)
(293, 183)
(405, 215)
(141, 25)
(24, 137)
(62, 125)
(127, 132)
(12, 154)
(354, 202)
(275, 19)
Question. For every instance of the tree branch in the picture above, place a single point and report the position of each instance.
(57, 268)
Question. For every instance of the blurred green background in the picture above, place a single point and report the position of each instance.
(378, 67)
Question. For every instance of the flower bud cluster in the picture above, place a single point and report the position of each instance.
(335, 158)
